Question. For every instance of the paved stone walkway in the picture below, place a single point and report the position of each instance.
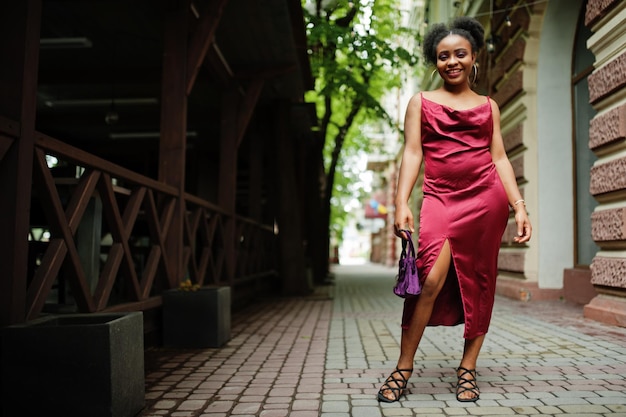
(326, 355)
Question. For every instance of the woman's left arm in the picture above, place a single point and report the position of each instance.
(507, 176)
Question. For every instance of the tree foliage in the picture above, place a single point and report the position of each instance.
(356, 57)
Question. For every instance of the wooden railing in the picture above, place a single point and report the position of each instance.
(117, 261)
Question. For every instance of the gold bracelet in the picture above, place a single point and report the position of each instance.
(518, 202)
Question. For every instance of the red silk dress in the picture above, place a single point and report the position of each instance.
(466, 204)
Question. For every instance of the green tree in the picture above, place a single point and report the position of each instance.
(356, 57)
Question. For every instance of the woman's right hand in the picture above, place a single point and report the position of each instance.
(403, 220)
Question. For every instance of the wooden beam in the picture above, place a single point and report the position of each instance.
(20, 23)
(120, 231)
(158, 230)
(71, 154)
(247, 107)
(65, 252)
(266, 72)
(101, 76)
(202, 39)
(218, 64)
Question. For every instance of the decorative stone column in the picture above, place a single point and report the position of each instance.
(607, 133)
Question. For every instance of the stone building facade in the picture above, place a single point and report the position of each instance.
(607, 134)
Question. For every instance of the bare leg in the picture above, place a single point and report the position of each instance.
(412, 336)
(470, 356)
(471, 351)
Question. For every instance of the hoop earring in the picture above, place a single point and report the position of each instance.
(475, 74)
(432, 74)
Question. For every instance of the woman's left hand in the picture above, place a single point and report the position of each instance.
(524, 229)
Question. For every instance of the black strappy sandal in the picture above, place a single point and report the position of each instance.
(398, 389)
(464, 385)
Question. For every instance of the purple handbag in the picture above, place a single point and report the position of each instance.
(407, 283)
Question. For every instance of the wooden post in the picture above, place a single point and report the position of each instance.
(237, 111)
(291, 251)
(313, 202)
(88, 236)
(20, 23)
(228, 175)
(173, 144)
(256, 157)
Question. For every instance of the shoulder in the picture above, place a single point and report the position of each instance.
(416, 99)
(495, 111)
(494, 105)
(415, 102)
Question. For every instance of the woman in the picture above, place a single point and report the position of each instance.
(468, 186)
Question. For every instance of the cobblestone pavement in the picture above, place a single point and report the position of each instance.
(327, 354)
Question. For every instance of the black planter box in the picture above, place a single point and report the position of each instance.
(196, 319)
(77, 365)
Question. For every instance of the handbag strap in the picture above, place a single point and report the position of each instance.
(407, 242)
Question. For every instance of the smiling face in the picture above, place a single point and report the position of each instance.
(455, 59)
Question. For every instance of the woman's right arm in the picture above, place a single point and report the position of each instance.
(410, 165)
